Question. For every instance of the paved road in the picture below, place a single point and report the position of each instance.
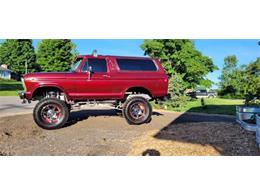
(11, 105)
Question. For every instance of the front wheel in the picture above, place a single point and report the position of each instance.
(51, 113)
(137, 110)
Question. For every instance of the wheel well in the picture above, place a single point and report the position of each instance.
(40, 92)
(138, 90)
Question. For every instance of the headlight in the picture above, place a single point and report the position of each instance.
(24, 86)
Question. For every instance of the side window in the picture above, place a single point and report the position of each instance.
(98, 65)
(136, 65)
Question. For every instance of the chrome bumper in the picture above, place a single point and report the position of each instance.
(23, 97)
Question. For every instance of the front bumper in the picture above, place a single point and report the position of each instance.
(22, 96)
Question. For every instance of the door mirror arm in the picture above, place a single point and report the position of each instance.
(90, 72)
(90, 69)
(89, 75)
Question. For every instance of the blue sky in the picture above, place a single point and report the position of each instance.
(246, 50)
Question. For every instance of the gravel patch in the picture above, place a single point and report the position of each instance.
(103, 132)
(193, 135)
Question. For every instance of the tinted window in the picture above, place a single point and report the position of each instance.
(98, 65)
(136, 65)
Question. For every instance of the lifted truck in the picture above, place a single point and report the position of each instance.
(129, 83)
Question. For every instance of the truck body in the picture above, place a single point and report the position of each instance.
(111, 78)
(128, 82)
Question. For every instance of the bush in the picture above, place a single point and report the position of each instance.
(176, 88)
(177, 101)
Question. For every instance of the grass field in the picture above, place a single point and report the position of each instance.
(10, 87)
(212, 106)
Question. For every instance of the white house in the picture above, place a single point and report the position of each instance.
(5, 73)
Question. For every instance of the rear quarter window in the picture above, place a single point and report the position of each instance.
(136, 65)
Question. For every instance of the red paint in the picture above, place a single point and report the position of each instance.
(101, 86)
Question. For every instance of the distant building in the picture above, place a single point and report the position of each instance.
(5, 73)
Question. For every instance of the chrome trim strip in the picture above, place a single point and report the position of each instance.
(24, 86)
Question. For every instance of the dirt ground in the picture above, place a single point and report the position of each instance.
(103, 132)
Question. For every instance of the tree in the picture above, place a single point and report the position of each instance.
(230, 63)
(253, 78)
(55, 54)
(254, 67)
(16, 53)
(229, 76)
(240, 82)
(180, 56)
(186, 66)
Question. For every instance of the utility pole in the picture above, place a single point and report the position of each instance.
(26, 67)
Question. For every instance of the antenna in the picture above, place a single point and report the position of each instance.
(94, 53)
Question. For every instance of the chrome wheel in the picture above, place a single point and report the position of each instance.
(51, 114)
(137, 110)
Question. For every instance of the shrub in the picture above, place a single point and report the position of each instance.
(176, 88)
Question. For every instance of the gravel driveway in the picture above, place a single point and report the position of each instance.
(91, 132)
(103, 132)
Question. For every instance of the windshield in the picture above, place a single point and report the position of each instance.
(75, 64)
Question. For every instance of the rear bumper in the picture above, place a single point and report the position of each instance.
(168, 96)
(165, 98)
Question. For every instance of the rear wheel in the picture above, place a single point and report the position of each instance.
(137, 110)
(51, 113)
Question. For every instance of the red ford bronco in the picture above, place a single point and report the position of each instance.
(129, 83)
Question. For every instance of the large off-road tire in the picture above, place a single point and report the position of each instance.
(51, 113)
(137, 110)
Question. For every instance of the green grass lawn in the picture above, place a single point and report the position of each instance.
(10, 87)
(212, 106)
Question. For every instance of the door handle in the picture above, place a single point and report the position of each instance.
(106, 76)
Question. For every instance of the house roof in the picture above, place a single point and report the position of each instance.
(1, 68)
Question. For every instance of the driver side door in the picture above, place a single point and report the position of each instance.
(97, 83)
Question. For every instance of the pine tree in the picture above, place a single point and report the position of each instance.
(17, 54)
(55, 54)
